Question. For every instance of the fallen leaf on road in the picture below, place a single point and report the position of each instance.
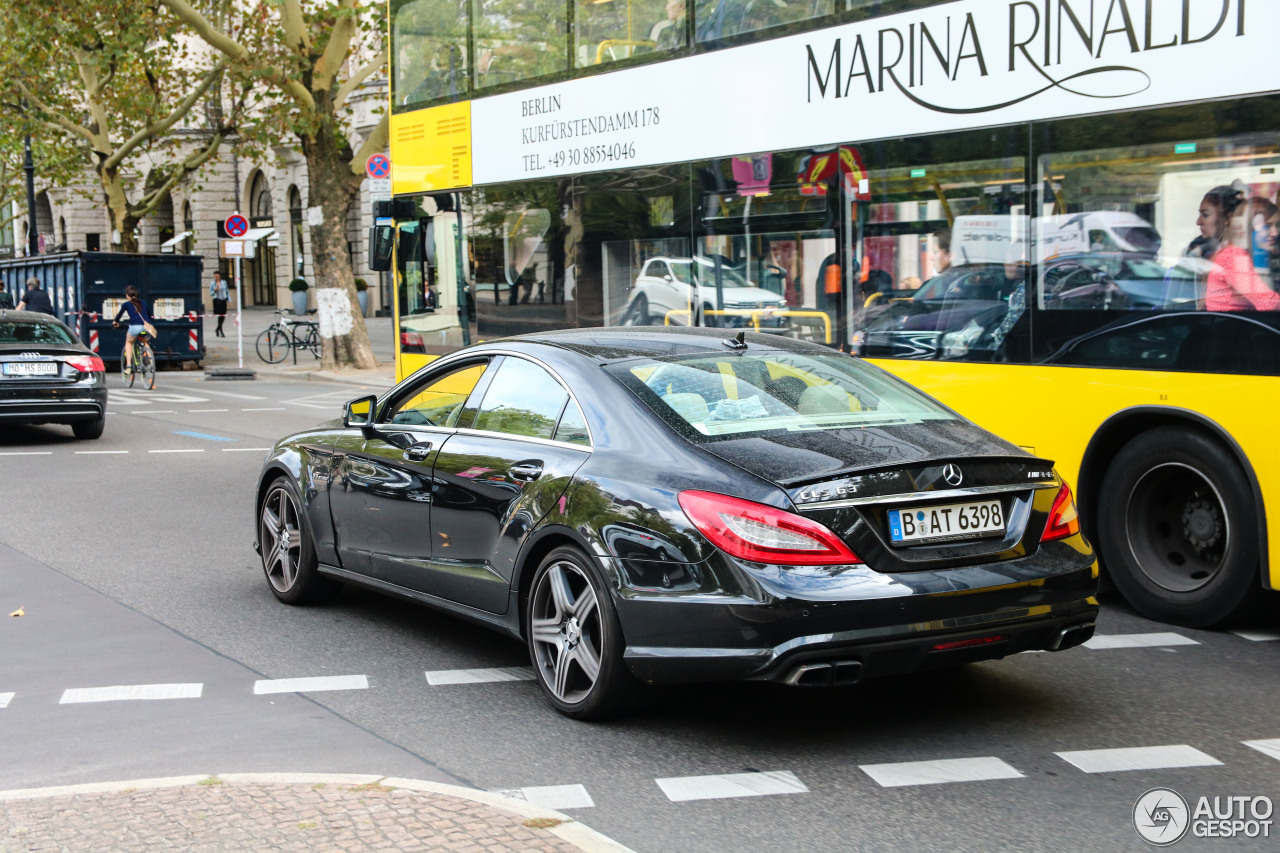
(19, 612)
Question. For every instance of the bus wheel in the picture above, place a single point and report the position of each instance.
(1177, 528)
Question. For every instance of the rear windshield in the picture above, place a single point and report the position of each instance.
(717, 395)
(35, 333)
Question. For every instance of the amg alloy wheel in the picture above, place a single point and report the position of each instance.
(288, 555)
(575, 640)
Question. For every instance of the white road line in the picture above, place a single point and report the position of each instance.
(936, 772)
(98, 452)
(153, 412)
(552, 796)
(1138, 641)
(245, 449)
(1258, 636)
(268, 409)
(479, 676)
(228, 394)
(198, 411)
(5, 699)
(131, 691)
(1269, 748)
(27, 453)
(1138, 758)
(683, 788)
(310, 685)
(180, 450)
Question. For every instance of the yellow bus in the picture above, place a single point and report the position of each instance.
(1056, 216)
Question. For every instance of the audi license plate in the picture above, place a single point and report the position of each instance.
(946, 522)
(30, 368)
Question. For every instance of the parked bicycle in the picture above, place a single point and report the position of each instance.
(285, 334)
(144, 363)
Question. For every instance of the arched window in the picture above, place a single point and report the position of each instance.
(296, 244)
(259, 198)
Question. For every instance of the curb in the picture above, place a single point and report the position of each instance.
(566, 828)
(379, 378)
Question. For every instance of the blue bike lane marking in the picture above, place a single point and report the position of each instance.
(205, 436)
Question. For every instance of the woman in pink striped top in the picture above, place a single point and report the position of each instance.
(1233, 285)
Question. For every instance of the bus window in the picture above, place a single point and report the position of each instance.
(621, 29)
(429, 51)
(943, 260)
(1158, 227)
(519, 41)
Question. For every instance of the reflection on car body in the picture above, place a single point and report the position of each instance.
(656, 505)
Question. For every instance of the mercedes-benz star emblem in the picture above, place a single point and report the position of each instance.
(952, 474)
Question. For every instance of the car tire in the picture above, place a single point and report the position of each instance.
(638, 312)
(1178, 530)
(89, 430)
(575, 640)
(288, 550)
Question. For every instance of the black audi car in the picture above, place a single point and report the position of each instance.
(47, 376)
(646, 505)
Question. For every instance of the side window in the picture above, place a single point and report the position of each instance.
(440, 401)
(573, 426)
(523, 399)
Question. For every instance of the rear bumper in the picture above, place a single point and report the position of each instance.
(52, 405)
(848, 657)
(866, 624)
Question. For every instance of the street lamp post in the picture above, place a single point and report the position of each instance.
(29, 165)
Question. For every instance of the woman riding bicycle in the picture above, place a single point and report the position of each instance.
(139, 323)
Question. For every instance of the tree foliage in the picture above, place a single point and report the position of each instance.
(123, 80)
(304, 60)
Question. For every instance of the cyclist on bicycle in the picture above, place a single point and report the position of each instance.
(139, 324)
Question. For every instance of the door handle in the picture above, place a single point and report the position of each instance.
(418, 452)
(525, 472)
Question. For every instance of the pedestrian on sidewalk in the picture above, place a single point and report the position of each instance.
(36, 299)
(218, 291)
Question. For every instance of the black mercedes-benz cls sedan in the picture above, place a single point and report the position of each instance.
(47, 376)
(649, 505)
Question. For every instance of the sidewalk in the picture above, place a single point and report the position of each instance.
(286, 812)
(221, 352)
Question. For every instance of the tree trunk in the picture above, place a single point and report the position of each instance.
(118, 208)
(333, 188)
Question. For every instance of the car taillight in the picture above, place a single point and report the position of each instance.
(411, 342)
(1064, 520)
(86, 363)
(763, 534)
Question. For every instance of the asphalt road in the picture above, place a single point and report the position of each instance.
(131, 558)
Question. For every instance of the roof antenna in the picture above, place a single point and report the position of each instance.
(737, 342)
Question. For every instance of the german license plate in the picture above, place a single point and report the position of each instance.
(30, 368)
(946, 522)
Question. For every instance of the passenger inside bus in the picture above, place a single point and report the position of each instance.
(1232, 285)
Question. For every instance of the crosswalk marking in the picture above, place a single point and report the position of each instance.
(5, 699)
(99, 452)
(310, 685)
(267, 409)
(1138, 758)
(1258, 636)
(1138, 641)
(552, 796)
(479, 676)
(684, 788)
(1270, 747)
(938, 772)
(126, 692)
(180, 450)
(27, 453)
(245, 449)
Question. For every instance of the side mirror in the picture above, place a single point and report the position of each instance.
(381, 240)
(359, 412)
